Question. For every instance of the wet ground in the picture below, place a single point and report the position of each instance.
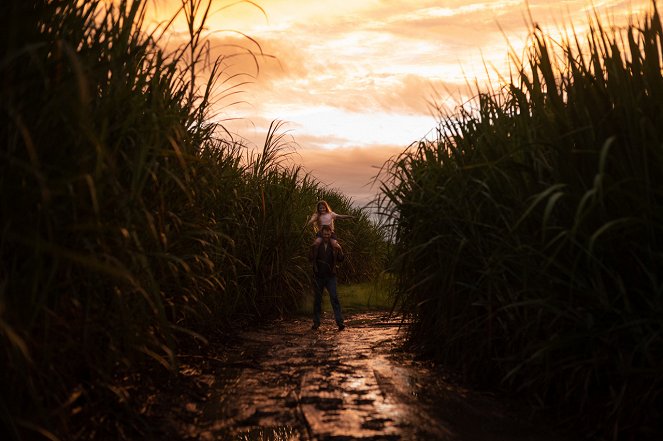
(287, 382)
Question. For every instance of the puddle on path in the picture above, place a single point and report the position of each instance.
(287, 382)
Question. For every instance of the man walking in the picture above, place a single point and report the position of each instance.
(324, 258)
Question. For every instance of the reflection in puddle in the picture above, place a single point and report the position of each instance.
(283, 433)
(285, 382)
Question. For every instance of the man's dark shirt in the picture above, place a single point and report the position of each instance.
(325, 260)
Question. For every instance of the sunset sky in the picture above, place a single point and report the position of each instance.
(353, 80)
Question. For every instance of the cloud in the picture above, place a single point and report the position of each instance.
(350, 170)
(354, 79)
(297, 77)
(341, 61)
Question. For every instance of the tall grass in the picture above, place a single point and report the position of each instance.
(128, 223)
(528, 238)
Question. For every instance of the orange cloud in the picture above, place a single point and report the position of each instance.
(352, 170)
(354, 79)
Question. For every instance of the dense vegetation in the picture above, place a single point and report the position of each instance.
(128, 222)
(529, 235)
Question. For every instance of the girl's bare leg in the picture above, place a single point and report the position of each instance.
(335, 243)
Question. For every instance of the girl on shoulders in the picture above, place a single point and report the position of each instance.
(324, 215)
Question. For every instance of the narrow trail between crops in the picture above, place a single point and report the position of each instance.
(287, 382)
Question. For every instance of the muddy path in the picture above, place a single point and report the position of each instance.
(287, 382)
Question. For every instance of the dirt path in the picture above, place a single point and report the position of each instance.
(287, 382)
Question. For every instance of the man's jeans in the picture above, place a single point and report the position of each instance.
(320, 284)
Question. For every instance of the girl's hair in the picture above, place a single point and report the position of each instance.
(322, 202)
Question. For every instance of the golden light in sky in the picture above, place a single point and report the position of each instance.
(353, 79)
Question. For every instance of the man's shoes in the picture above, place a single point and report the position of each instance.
(341, 327)
(314, 327)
